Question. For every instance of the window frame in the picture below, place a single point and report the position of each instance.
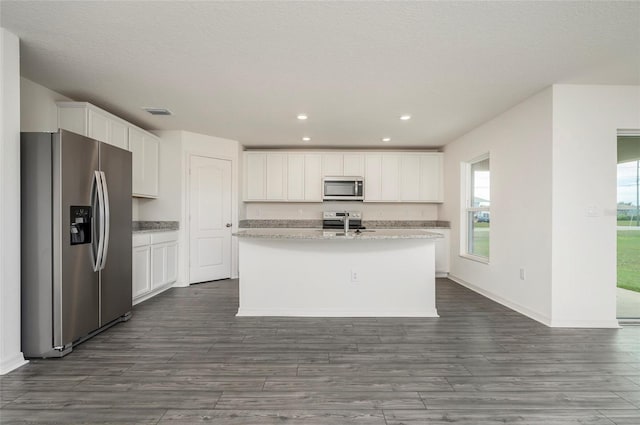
(466, 208)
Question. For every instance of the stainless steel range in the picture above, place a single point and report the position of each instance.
(336, 220)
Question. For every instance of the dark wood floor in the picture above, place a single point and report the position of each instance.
(184, 358)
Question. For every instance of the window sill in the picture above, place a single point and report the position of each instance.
(475, 258)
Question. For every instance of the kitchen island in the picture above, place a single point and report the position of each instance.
(320, 273)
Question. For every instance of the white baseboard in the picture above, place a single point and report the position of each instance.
(330, 313)
(152, 294)
(179, 284)
(507, 303)
(585, 324)
(7, 365)
(442, 274)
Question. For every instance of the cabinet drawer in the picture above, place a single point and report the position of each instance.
(141, 239)
(163, 237)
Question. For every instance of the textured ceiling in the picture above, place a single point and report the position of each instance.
(243, 70)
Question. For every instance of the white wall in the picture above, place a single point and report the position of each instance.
(10, 353)
(176, 147)
(585, 124)
(553, 211)
(519, 143)
(38, 110)
(304, 211)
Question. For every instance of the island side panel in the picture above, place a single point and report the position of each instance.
(284, 277)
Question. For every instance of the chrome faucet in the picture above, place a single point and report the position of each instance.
(345, 220)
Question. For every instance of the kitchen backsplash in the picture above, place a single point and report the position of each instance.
(369, 224)
(313, 211)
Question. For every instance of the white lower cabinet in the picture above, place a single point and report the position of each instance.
(442, 252)
(155, 263)
(141, 283)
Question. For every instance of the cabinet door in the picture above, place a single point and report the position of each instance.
(144, 151)
(353, 164)
(256, 164)
(118, 134)
(295, 177)
(410, 177)
(141, 270)
(136, 146)
(73, 119)
(313, 177)
(157, 266)
(332, 164)
(151, 157)
(171, 271)
(390, 182)
(431, 178)
(442, 251)
(98, 126)
(276, 177)
(373, 177)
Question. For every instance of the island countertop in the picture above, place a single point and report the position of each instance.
(324, 234)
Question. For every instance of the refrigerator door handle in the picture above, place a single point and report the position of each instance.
(97, 200)
(107, 213)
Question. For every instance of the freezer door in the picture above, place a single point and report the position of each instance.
(76, 285)
(115, 278)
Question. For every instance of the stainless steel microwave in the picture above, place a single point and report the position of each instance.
(343, 189)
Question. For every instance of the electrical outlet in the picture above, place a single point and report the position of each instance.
(522, 274)
(355, 275)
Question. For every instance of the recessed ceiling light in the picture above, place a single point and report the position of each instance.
(405, 117)
(306, 139)
(386, 139)
(302, 116)
(158, 111)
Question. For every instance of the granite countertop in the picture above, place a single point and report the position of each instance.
(154, 226)
(320, 234)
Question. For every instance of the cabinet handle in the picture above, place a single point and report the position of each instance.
(228, 225)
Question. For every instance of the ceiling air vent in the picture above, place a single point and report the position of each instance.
(158, 111)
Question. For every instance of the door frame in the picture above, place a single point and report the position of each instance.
(626, 132)
(187, 212)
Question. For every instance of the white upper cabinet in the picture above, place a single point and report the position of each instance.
(98, 126)
(353, 164)
(276, 177)
(339, 164)
(119, 134)
(403, 177)
(390, 178)
(303, 177)
(431, 181)
(332, 164)
(373, 178)
(144, 149)
(91, 121)
(255, 176)
(312, 177)
(265, 176)
(296, 176)
(410, 178)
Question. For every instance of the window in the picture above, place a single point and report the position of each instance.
(476, 211)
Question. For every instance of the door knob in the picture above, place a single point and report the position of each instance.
(228, 224)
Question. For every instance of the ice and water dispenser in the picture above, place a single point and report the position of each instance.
(80, 225)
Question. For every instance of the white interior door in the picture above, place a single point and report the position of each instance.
(210, 219)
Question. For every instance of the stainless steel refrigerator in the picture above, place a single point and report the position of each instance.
(76, 240)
